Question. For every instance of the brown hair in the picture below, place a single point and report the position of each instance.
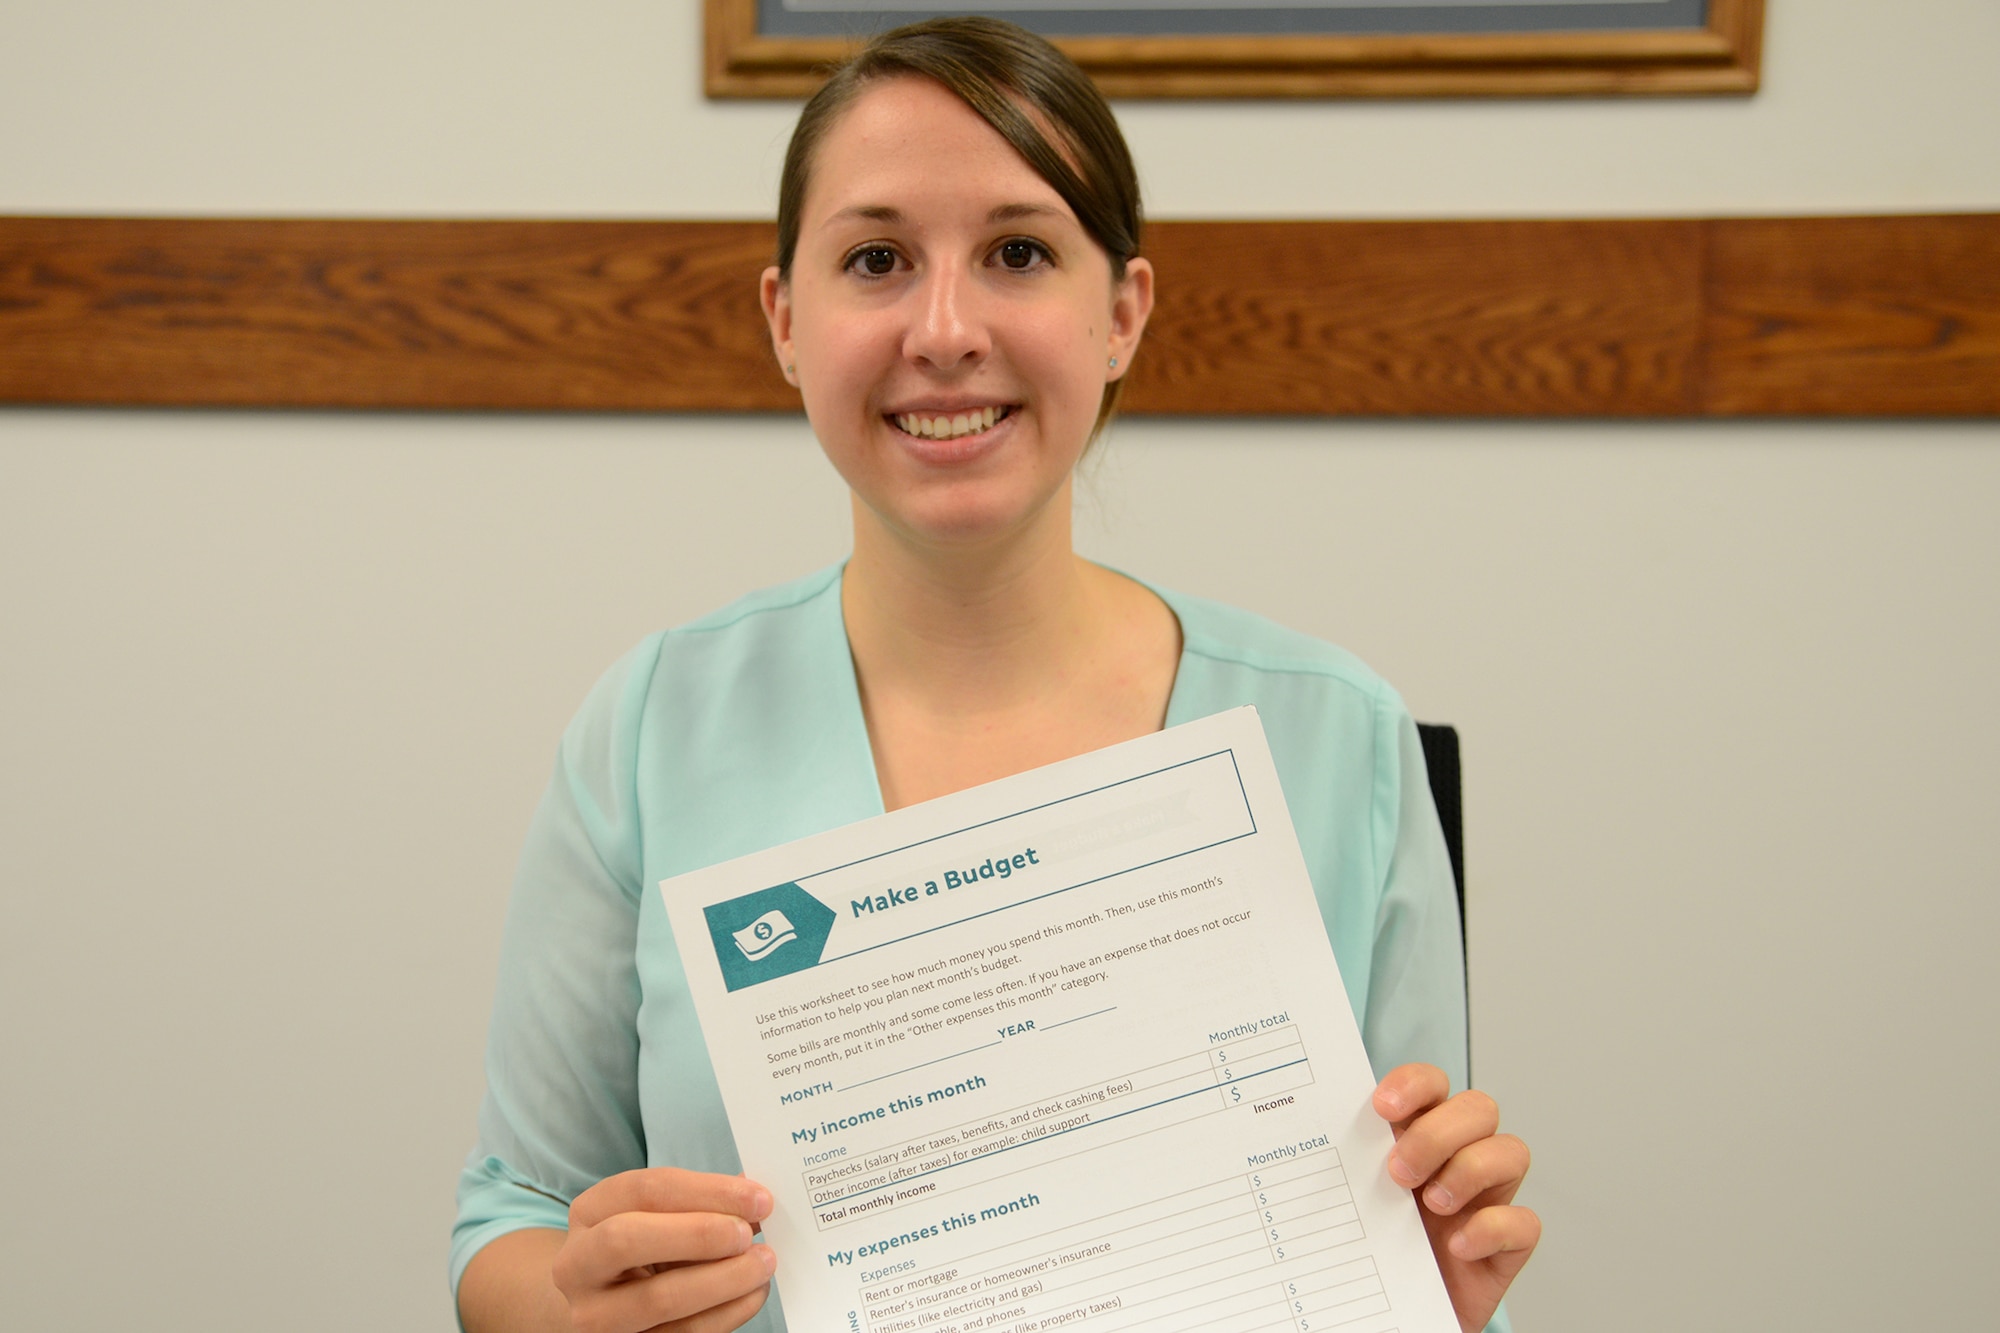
(1010, 77)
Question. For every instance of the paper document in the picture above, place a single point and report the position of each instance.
(1065, 1051)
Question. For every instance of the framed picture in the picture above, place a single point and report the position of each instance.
(1289, 48)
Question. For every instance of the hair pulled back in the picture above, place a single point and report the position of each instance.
(1018, 83)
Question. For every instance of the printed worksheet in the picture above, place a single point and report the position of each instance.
(1065, 1051)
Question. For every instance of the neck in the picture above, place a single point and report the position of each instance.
(974, 629)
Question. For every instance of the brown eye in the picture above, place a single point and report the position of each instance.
(1019, 254)
(876, 263)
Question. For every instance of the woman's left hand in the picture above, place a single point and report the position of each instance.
(1465, 1175)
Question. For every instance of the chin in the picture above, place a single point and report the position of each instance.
(969, 516)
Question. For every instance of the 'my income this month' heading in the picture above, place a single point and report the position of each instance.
(993, 867)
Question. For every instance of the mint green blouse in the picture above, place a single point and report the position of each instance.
(744, 730)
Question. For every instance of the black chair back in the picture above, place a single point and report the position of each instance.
(1441, 758)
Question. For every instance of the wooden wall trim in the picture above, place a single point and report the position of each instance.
(1854, 316)
(1871, 316)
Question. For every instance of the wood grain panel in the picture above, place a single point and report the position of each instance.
(1862, 316)
(1881, 316)
(1427, 319)
(386, 314)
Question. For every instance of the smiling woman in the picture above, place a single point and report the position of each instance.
(1055, 122)
(955, 331)
(957, 294)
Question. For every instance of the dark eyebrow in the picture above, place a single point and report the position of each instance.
(1010, 212)
(873, 212)
(893, 216)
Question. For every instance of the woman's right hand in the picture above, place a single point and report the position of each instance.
(662, 1248)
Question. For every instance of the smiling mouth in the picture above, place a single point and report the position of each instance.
(951, 425)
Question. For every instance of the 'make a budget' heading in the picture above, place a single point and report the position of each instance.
(993, 867)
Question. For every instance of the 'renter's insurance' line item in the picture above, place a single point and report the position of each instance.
(1065, 1051)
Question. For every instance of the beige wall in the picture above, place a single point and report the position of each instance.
(277, 691)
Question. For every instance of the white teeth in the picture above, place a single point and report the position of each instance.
(950, 428)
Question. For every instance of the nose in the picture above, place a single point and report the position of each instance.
(947, 325)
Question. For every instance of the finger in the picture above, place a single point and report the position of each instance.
(604, 1253)
(681, 1293)
(1409, 1090)
(1504, 1237)
(721, 1318)
(1489, 1171)
(1429, 1141)
(668, 1189)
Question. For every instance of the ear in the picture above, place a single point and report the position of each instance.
(775, 294)
(1131, 307)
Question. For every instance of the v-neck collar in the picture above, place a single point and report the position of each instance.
(837, 653)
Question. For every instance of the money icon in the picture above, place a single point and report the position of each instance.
(764, 935)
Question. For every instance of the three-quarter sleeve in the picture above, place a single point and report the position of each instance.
(1416, 992)
(561, 1109)
(1416, 981)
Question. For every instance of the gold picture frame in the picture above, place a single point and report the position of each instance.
(1724, 56)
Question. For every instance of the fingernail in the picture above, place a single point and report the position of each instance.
(1461, 1245)
(1439, 1198)
(1401, 1172)
(768, 1257)
(760, 1204)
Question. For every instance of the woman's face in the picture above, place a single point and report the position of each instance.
(941, 284)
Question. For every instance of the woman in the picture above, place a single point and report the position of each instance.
(957, 296)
